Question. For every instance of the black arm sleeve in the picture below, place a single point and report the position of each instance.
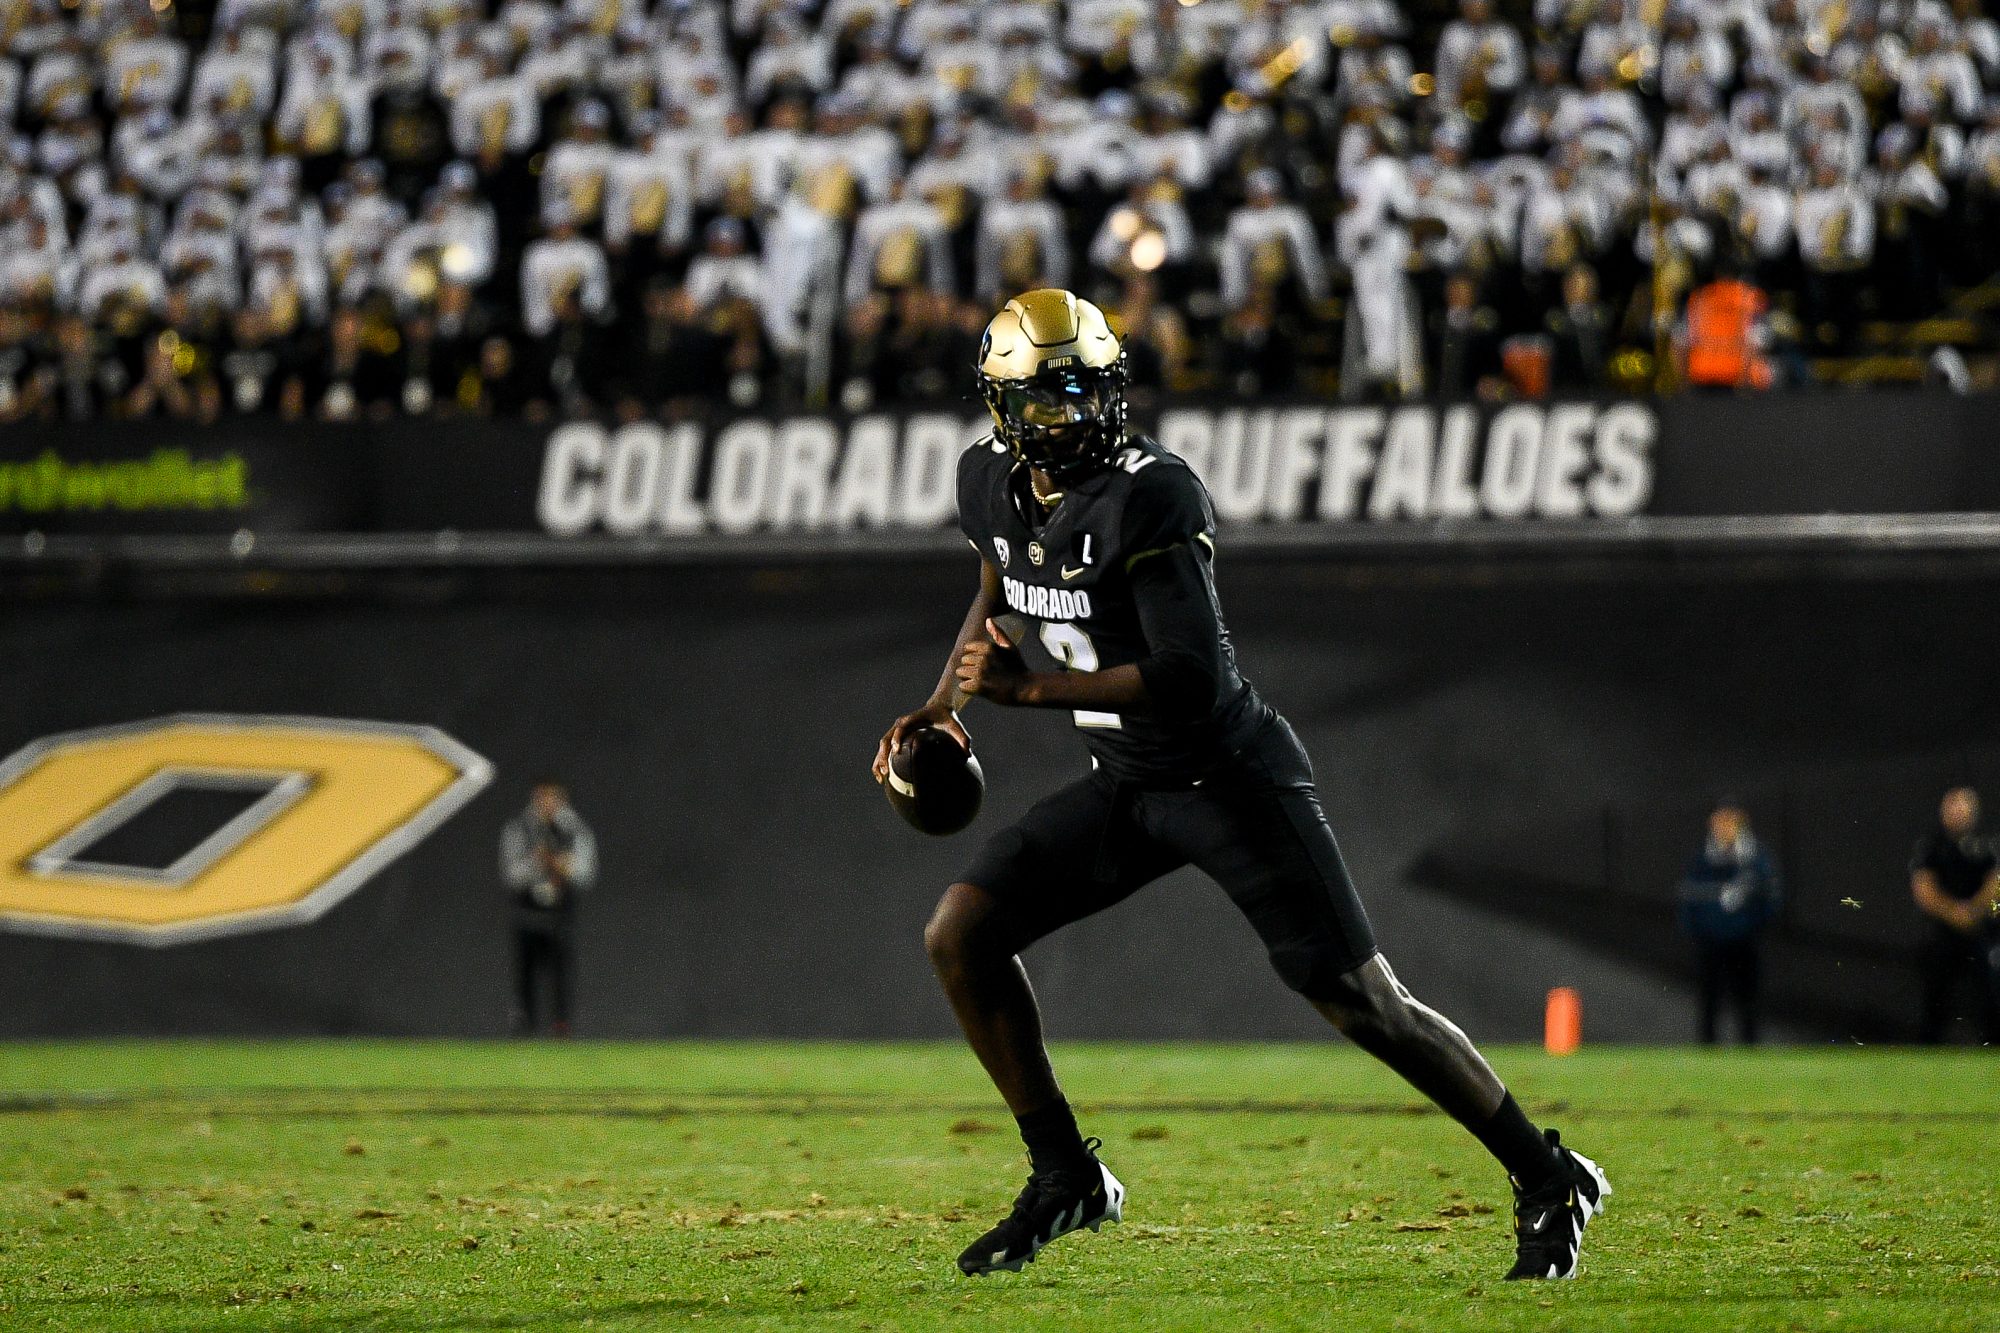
(1167, 542)
(1183, 667)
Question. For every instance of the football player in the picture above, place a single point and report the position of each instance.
(1097, 556)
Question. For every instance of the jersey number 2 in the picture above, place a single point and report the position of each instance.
(1073, 648)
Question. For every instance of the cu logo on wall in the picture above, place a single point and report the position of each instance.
(199, 825)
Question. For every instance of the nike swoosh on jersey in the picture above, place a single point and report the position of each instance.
(1069, 573)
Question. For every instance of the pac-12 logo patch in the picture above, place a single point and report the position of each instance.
(1001, 549)
(197, 825)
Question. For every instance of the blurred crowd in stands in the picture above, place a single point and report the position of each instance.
(357, 208)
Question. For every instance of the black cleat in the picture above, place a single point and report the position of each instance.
(1054, 1204)
(1549, 1222)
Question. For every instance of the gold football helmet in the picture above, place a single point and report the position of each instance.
(1053, 375)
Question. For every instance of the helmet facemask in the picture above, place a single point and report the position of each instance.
(1067, 423)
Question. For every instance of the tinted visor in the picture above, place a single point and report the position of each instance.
(1055, 409)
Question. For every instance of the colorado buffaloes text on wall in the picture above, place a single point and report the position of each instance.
(1283, 464)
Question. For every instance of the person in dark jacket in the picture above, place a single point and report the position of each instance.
(1955, 881)
(548, 857)
(1728, 897)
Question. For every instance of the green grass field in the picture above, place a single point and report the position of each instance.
(374, 1185)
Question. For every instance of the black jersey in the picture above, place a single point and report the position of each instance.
(1961, 865)
(1118, 573)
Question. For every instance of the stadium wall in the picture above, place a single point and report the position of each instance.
(709, 485)
(1516, 760)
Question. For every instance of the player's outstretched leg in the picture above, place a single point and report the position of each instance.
(974, 945)
(1556, 1190)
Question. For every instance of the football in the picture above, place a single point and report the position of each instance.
(935, 783)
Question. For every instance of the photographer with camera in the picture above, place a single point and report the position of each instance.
(548, 857)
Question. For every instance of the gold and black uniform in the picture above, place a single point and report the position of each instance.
(1120, 570)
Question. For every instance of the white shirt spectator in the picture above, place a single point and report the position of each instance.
(554, 268)
(869, 155)
(843, 15)
(1562, 222)
(1943, 146)
(1699, 59)
(1024, 63)
(498, 112)
(877, 80)
(306, 49)
(156, 151)
(1380, 190)
(143, 71)
(551, 66)
(471, 240)
(1252, 232)
(1613, 108)
(1863, 56)
(955, 69)
(352, 253)
(1689, 138)
(788, 54)
(1489, 55)
(974, 171)
(928, 20)
(1617, 50)
(59, 77)
(1982, 159)
(1835, 223)
(1378, 76)
(1296, 29)
(1911, 187)
(43, 278)
(1235, 127)
(1835, 102)
(327, 113)
(33, 274)
(1202, 32)
(1384, 18)
(1179, 152)
(1108, 154)
(119, 221)
(377, 213)
(133, 281)
(713, 279)
(527, 22)
(575, 174)
(649, 195)
(237, 75)
(761, 161)
(1017, 236)
(286, 283)
(1715, 185)
(1126, 223)
(349, 18)
(274, 222)
(397, 38)
(460, 64)
(899, 222)
(628, 77)
(704, 84)
(196, 245)
(1945, 79)
(800, 274)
